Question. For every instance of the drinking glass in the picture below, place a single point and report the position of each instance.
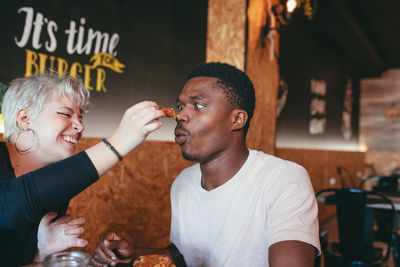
(67, 259)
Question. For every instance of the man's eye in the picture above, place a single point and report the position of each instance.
(180, 107)
(198, 106)
(64, 114)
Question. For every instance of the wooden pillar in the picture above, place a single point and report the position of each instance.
(226, 32)
(264, 72)
(226, 42)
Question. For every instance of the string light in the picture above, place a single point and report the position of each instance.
(291, 5)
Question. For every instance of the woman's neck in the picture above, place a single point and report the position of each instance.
(22, 162)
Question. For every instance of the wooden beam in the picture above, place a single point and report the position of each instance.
(359, 32)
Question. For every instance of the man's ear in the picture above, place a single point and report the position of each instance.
(239, 119)
(23, 118)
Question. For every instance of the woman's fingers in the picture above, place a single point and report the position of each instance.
(79, 242)
(143, 116)
(150, 116)
(46, 219)
(74, 226)
(143, 105)
(64, 219)
(74, 231)
(151, 127)
(77, 221)
(138, 121)
(74, 241)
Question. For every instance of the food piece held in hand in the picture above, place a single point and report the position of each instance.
(153, 261)
(169, 112)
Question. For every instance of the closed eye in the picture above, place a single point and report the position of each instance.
(64, 114)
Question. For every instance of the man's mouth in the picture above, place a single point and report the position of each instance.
(181, 135)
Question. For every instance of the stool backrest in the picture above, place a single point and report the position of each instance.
(356, 222)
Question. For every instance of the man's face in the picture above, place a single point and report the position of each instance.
(204, 120)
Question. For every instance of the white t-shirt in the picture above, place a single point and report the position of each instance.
(267, 201)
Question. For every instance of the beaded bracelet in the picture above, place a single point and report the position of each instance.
(112, 149)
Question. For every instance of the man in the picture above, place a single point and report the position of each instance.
(235, 206)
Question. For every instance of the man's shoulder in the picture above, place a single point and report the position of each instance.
(269, 160)
(274, 168)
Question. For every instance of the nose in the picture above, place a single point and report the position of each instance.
(182, 116)
(78, 125)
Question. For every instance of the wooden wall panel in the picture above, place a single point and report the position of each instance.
(380, 112)
(265, 75)
(133, 197)
(322, 166)
(226, 32)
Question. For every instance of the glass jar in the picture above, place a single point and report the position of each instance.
(67, 258)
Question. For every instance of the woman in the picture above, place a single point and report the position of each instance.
(39, 170)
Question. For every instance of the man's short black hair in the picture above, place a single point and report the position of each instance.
(236, 84)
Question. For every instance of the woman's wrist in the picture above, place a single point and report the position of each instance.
(39, 257)
(118, 145)
(112, 149)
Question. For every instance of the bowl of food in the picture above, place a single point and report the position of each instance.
(153, 261)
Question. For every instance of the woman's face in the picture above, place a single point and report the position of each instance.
(59, 128)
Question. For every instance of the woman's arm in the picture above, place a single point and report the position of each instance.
(28, 198)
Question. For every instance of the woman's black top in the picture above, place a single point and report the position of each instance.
(26, 199)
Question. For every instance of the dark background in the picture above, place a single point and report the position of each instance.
(159, 42)
(305, 56)
(355, 39)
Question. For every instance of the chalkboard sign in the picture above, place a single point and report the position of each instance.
(125, 51)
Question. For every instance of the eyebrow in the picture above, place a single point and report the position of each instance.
(196, 97)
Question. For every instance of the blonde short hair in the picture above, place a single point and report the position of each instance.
(33, 92)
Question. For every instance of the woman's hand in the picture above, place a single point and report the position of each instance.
(112, 249)
(59, 235)
(137, 122)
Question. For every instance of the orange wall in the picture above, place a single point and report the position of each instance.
(322, 166)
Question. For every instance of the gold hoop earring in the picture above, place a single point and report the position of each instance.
(34, 137)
